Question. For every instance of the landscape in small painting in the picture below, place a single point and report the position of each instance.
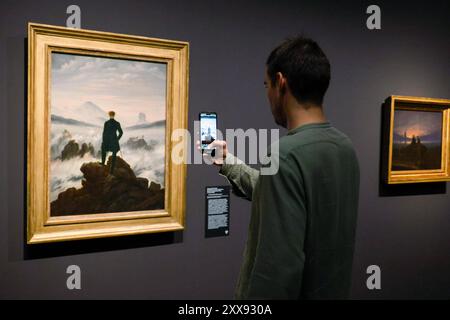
(107, 136)
(417, 140)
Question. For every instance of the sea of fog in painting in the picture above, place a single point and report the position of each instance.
(83, 90)
(417, 140)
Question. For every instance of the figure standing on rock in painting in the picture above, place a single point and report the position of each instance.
(110, 140)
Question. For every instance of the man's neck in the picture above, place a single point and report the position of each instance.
(302, 114)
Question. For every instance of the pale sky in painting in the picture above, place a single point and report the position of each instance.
(125, 86)
(418, 123)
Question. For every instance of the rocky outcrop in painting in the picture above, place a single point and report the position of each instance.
(102, 192)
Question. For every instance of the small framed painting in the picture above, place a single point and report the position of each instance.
(416, 146)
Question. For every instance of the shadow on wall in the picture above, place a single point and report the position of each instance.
(39, 251)
(408, 189)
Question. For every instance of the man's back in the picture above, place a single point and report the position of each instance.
(330, 173)
(110, 129)
(110, 138)
(302, 228)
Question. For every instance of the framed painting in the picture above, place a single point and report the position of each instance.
(101, 107)
(416, 146)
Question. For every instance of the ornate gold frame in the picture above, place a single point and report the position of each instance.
(44, 39)
(415, 176)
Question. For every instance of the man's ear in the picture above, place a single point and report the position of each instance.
(281, 82)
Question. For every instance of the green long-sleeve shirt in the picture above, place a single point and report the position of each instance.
(302, 227)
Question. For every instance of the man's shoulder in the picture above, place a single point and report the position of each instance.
(112, 122)
(297, 144)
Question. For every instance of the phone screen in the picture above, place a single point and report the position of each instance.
(208, 128)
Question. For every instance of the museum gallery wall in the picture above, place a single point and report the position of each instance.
(389, 93)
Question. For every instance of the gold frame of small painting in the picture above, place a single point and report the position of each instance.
(45, 40)
(416, 140)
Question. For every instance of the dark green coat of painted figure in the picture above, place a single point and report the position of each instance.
(110, 137)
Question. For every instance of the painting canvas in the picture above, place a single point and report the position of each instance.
(415, 146)
(101, 110)
(107, 136)
(417, 141)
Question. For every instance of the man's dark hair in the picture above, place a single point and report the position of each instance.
(305, 67)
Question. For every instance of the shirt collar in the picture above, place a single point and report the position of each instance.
(326, 124)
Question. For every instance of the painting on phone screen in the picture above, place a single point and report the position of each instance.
(208, 129)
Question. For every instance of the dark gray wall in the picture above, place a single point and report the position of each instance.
(407, 236)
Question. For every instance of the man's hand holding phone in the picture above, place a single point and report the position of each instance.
(218, 157)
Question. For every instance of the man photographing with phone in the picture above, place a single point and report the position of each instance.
(302, 228)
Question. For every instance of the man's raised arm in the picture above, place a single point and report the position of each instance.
(242, 177)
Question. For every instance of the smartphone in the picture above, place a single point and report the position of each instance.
(208, 129)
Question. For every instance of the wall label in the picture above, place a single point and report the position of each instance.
(217, 218)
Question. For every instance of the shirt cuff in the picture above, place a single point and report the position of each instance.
(228, 163)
